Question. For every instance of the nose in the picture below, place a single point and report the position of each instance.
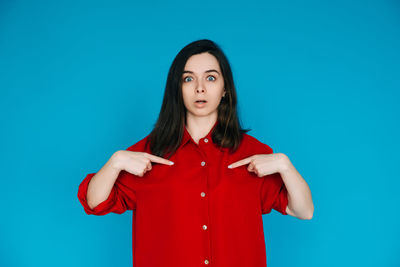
(200, 87)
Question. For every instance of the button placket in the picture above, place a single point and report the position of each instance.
(204, 226)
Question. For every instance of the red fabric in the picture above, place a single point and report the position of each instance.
(174, 224)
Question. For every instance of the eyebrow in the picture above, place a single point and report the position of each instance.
(207, 71)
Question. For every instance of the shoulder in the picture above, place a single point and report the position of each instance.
(140, 145)
(254, 145)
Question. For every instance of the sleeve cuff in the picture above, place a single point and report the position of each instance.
(282, 201)
(103, 207)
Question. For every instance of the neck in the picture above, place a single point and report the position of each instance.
(198, 127)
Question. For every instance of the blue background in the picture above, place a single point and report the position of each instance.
(316, 81)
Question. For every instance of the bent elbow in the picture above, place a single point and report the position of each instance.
(310, 215)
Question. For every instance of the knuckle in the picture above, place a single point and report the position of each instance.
(117, 154)
(281, 155)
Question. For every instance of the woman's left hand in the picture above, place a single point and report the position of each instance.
(263, 164)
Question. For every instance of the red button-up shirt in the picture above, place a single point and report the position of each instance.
(197, 212)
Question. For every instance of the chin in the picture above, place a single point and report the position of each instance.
(203, 112)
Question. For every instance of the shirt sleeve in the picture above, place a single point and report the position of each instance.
(273, 192)
(122, 196)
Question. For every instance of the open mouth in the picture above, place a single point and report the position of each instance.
(200, 103)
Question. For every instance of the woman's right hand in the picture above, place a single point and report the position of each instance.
(137, 163)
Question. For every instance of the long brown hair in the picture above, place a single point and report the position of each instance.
(168, 131)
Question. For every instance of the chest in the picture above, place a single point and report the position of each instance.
(199, 171)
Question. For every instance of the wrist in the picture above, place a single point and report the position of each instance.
(114, 162)
(283, 163)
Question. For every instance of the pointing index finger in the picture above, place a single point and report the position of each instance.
(157, 159)
(240, 163)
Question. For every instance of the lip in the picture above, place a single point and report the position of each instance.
(200, 105)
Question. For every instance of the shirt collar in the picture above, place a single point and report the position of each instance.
(187, 137)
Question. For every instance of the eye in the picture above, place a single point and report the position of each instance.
(211, 77)
(185, 79)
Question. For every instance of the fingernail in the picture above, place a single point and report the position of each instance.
(171, 163)
(230, 166)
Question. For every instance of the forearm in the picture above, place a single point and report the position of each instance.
(299, 194)
(102, 182)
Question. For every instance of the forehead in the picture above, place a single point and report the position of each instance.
(202, 62)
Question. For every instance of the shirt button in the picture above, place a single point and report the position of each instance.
(205, 140)
(203, 163)
(206, 262)
(202, 194)
(204, 227)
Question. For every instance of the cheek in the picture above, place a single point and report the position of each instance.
(217, 92)
(187, 98)
(185, 93)
(219, 88)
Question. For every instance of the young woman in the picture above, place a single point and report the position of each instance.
(198, 184)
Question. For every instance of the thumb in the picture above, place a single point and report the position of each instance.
(250, 168)
(148, 167)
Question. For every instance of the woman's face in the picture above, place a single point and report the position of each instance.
(202, 80)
